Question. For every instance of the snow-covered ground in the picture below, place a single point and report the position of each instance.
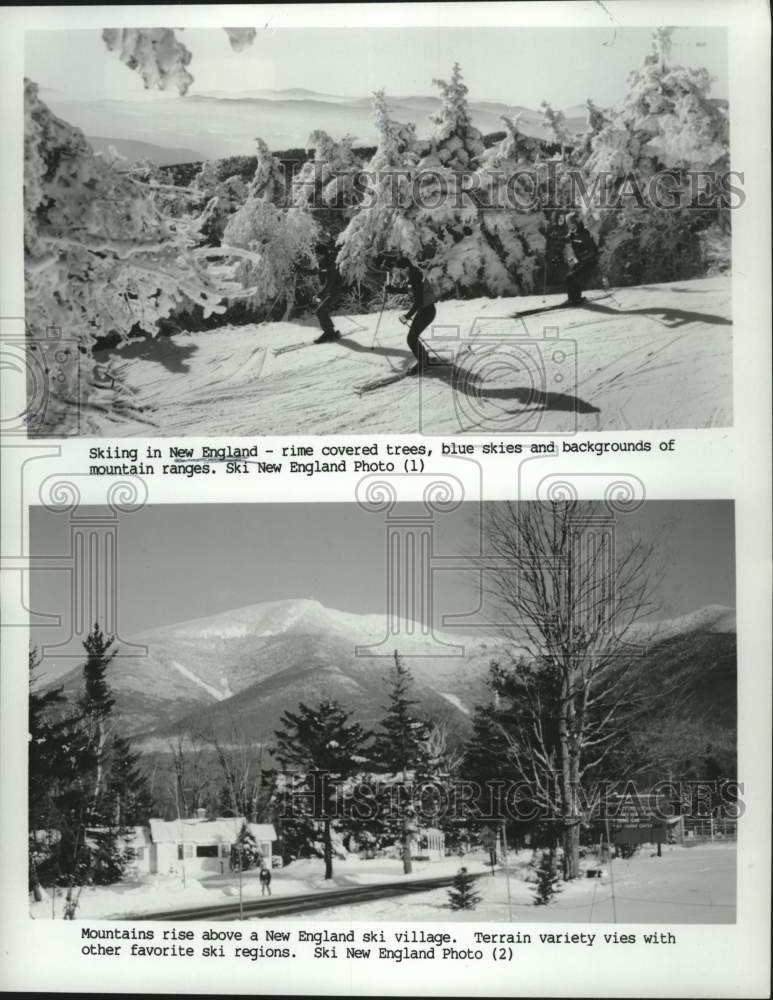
(647, 357)
(155, 893)
(695, 885)
(686, 885)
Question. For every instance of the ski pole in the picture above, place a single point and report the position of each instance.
(381, 313)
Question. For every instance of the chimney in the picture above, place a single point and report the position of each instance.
(201, 813)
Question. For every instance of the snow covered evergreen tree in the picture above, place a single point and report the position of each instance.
(327, 180)
(245, 853)
(100, 256)
(268, 181)
(159, 56)
(667, 124)
(377, 225)
(277, 239)
(463, 249)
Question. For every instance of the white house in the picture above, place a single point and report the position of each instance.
(202, 846)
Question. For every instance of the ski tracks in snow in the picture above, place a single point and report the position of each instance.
(644, 360)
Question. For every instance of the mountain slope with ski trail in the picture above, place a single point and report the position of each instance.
(638, 358)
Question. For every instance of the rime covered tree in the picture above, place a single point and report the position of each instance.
(101, 256)
(666, 126)
(277, 238)
(378, 224)
(326, 181)
(463, 249)
(159, 56)
(268, 181)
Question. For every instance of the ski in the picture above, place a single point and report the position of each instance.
(290, 347)
(297, 347)
(379, 383)
(562, 305)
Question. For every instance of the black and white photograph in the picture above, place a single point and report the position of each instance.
(348, 230)
(513, 712)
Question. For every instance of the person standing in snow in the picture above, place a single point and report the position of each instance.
(586, 256)
(265, 881)
(329, 293)
(421, 313)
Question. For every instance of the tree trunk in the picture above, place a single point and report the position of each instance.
(328, 851)
(36, 889)
(407, 863)
(571, 851)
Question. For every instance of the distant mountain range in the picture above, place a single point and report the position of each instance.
(245, 667)
(217, 124)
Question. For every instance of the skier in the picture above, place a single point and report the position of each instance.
(265, 881)
(585, 254)
(331, 289)
(421, 313)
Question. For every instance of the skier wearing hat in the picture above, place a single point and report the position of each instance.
(585, 255)
(421, 313)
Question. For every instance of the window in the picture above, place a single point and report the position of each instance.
(206, 851)
(184, 851)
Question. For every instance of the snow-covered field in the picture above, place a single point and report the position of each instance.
(686, 885)
(694, 885)
(647, 357)
(155, 893)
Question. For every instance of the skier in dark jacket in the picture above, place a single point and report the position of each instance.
(586, 256)
(421, 313)
(332, 286)
(265, 881)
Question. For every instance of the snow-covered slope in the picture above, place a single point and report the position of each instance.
(647, 357)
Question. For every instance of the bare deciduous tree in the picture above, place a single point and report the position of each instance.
(572, 596)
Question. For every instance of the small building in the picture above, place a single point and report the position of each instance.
(202, 846)
(429, 844)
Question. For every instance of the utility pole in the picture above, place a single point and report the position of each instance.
(611, 875)
(507, 871)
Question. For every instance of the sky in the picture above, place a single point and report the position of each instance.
(519, 66)
(181, 562)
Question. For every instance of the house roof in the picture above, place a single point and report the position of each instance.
(223, 830)
(196, 831)
(262, 831)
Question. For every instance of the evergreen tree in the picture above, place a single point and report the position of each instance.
(378, 225)
(127, 793)
(327, 180)
(245, 852)
(101, 258)
(222, 198)
(401, 747)
(666, 123)
(96, 705)
(268, 181)
(324, 748)
(276, 239)
(462, 895)
(55, 752)
(546, 878)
